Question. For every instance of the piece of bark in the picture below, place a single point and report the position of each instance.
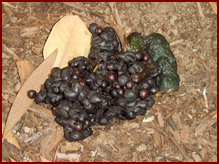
(206, 146)
(9, 52)
(25, 69)
(52, 140)
(207, 121)
(42, 112)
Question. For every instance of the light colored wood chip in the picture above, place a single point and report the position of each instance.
(8, 4)
(156, 139)
(196, 77)
(200, 10)
(185, 134)
(177, 120)
(181, 41)
(206, 146)
(175, 134)
(25, 69)
(72, 157)
(44, 159)
(29, 31)
(203, 152)
(160, 119)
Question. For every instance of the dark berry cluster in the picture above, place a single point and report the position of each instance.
(106, 85)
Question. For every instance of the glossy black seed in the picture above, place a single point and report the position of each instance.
(93, 27)
(151, 81)
(122, 80)
(40, 97)
(114, 93)
(139, 55)
(154, 90)
(145, 85)
(87, 132)
(76, 136)
(69, 94)
(31, 94)
(104, 84)
(130, 115)
(103, 121)
(56, 72)
(96, 99)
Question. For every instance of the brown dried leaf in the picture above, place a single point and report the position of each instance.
(11, 138)
(25, 68)
(72, 38)
(22, 102)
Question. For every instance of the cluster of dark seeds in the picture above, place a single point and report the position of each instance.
(106, 85)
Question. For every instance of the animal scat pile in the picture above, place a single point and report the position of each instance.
(108, 84)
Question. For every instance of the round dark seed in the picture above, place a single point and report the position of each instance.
(79, 126)
(76, 136)
(129, 84)
(103, 121)
(154, 90)
(146, 57)
(143, 94)
(98, 30)
(31, 94)
(93, 27)
(111, 76)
